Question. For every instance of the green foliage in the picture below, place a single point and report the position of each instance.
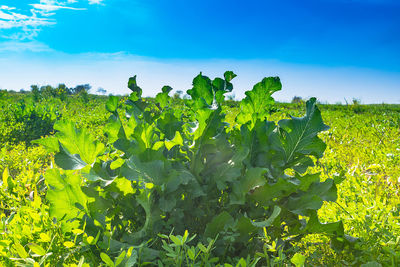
(160, 162)
(24, 122)
(136, 176)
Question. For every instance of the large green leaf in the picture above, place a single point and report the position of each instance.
(65, 195)
(77, 142)
(274, 215)
(150, 172)
(299, 136)
(257, 102)
(218, 223)
(315, 226)
(253, 178)
(202, 90)
(134, 87)
(169, 125)
(266, 193)
(313, 198)
(163, 99)
(68, 161)
(112, 104)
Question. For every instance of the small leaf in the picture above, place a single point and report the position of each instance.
(132, 260)
(106, 259)
(7, 180)
(68, 244)
(120, 258)
(202, 247)
(176, 240)
(185, 236)
(77, 231)
(37, 249)
(44, 237)
(90, 240)
(241, 263)
(191, 253)
(298, 260)
(20, 250)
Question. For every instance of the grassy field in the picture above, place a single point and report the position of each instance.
(362, 157)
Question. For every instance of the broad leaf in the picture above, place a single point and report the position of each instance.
(257, 102)
(218, 223)
(299, 135)
(65, 194)
(67, 161)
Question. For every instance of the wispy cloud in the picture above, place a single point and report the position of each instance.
(95, 2)
(25, 24)
(28, 25)
(46, 10)
(19, 46)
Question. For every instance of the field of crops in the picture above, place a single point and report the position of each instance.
(202, 181)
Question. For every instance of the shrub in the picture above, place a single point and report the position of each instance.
(184, 168)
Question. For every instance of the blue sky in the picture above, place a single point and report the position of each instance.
(331, 49)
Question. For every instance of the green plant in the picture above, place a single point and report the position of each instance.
(161, 162)
(24, 122)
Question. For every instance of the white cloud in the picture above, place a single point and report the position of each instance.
(10, 19)
(46, 9)
(95, 2)
(18, 46)
(6, 7)
(18, 24)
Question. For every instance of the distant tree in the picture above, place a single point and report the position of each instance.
(84, 96)
(62, 91)
(48, 91)
(178, 94)
(36, 93)
(82, 87)
(356, 101)
(101, 91)
(297, 100)
(231, 97)
(3, 93)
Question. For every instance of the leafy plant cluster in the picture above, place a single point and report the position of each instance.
(165, 168)
(24, 121)
(61, 92)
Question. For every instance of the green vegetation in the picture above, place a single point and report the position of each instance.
(204, 181)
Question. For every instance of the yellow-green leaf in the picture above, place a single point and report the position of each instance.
(77, 231)
(20, 250)
(69, 244)
(37, 249)
(44, 237)
(106, 259)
